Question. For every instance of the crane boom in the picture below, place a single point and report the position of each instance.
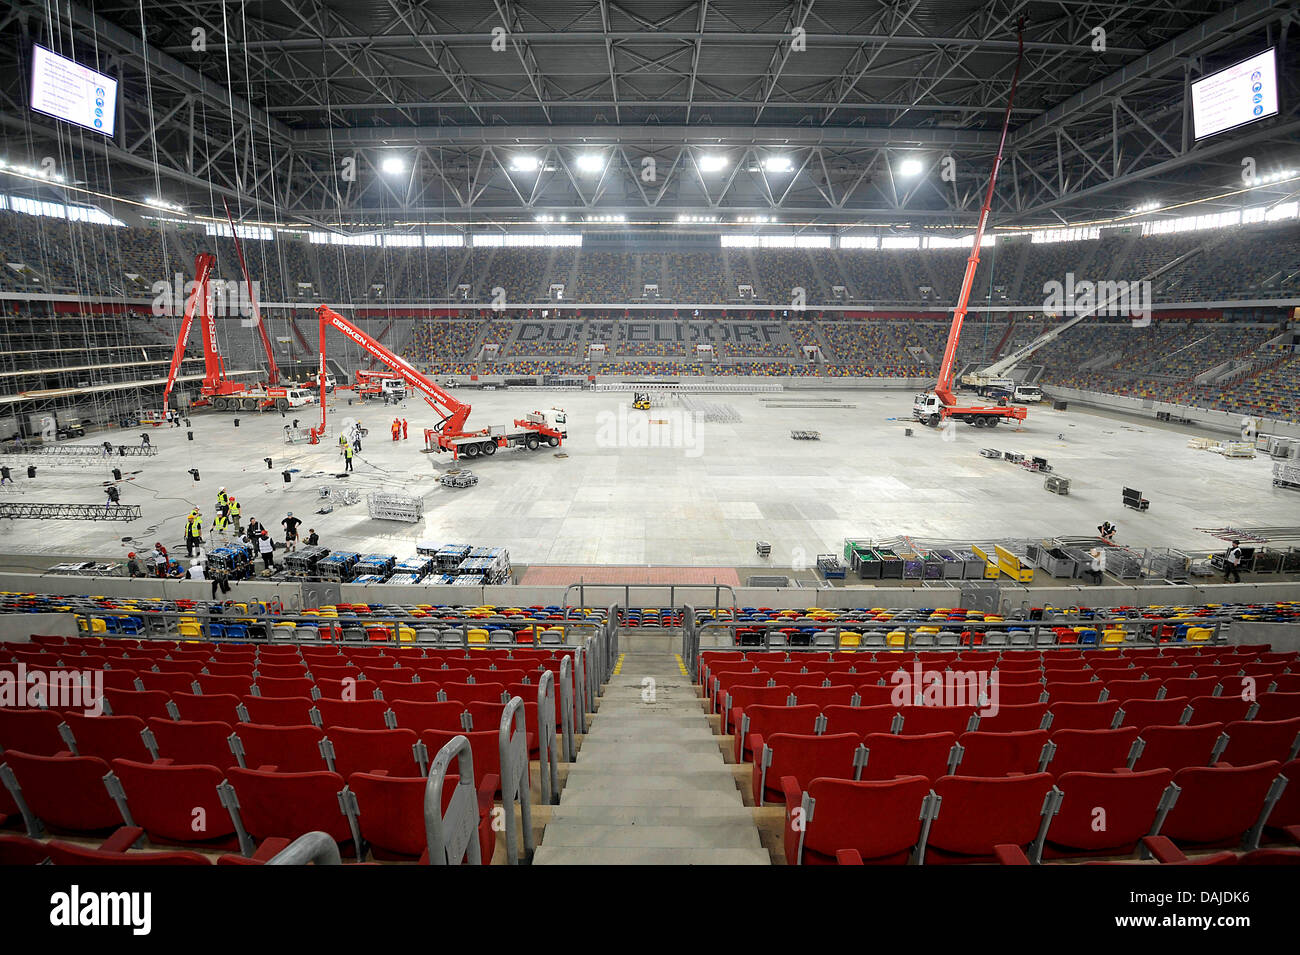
(453, 413)
(944, 387)
(203, 263)
(272, 371)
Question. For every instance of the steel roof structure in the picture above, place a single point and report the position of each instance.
(511, 111)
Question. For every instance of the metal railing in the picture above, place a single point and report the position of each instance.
(452, 836)
(28, 511)
(513, 740)
(311, 848)
(872, 634)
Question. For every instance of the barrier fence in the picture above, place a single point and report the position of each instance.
(712, 633)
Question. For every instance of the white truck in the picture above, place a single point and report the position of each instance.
(1029, 393)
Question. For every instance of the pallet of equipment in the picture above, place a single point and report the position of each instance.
(451, 555)
(374, 565)
(831, 567)
(416, 567)
(1286, 475)
(406, 579)
(806, 435)
(302, 562)
(1015, 566)
(990, 453)
(986, 554)
(337, 566)
(458, 479)
(1057, 484)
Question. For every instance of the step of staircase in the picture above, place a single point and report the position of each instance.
(649, 786)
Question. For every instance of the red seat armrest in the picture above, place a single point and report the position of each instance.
(1163, 848)
(793, 793)
(122, 839)
(1010, 855)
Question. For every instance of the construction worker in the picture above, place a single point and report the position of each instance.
(193, 531)
(356, 437)
(159, 559)
(397, 429)
(219, 523)
(312, 538)
(144, 440)
(133, 566)
(343, 442)
(254, 529)
(347, 458)
(290, 525)
(223, 501)
(235, 519)
(113, 496)
(6, 475)
(403, 429)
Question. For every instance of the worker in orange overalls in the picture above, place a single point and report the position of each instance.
(403, 429)
(397, 429)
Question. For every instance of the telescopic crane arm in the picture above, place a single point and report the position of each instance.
(944, 387)
(453, 414)
(203, 263)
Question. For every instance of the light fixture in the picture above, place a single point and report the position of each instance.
(524, 163)
(1145, 207)
(591, 162)
(778, 164)
(713, 162)
(910, 167)
(393, 165)
(163, 204)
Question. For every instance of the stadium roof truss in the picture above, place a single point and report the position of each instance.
(495, 108)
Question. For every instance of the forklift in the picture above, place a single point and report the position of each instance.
(641, 400)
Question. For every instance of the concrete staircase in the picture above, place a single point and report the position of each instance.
(649, 785)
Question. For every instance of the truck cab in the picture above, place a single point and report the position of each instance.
(300, 396)
(1027, 393)
(393, 388)
(927, 408)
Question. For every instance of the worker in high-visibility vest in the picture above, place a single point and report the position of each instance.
(219, 523)
(235, 519)
(403, 429)
(397, 429)
(347, 458)
(193, 531)
(223, 501)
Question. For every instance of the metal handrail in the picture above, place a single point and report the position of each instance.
(311, 848)
(548, 744)
(513, 742)
(453, 835)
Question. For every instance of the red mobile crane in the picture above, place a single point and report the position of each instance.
(218, 391)
(932, 407)
(449, 434)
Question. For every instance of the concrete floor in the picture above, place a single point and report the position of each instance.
(682, 493)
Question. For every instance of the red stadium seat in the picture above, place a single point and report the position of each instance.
(425, 691)
(135, 703)
(982, 818)
(1122, 690)
(1178, 747)
(1278, 706)
(284, 806)
(66, 793)
(31, 731)
(1011, 718)
(1220, 709)
(1073, 692)
(921, 720)
(390, 815)
(889, 755)
(281, 687)
(1258, 741)
(1191, 687)
(107, 737)
(427, 716)
(347, 689)
(1083, 716)
(475, 692)
(824, 695)
(175, 804)
(364, 714)
(1223, 806)
(861, 719)
(283, 749)
(277, 710)
(998, 754)
(881, 821)
(219, 707)
(1171, 711)
(190, 742)
(373, 751)
(767, 720)
(1132, 803)
(1091, 751)
(168, 683)
(1285, 818)
(803, 757)
(484, 745)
